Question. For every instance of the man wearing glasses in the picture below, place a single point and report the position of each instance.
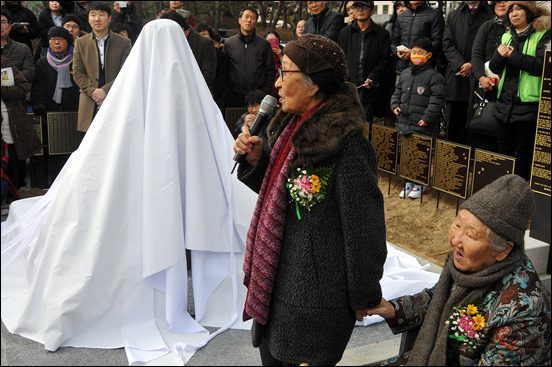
(324, 21)
(19, 53)
(367, 48)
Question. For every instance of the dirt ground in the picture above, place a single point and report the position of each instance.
(418, 227)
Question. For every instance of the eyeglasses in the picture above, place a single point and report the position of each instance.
(69, 26)
(57, 39)
(281, 72)
(358, 6)
(4, 22)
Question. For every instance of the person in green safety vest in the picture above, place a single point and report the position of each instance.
(519, 60)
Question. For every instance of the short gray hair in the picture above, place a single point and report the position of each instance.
(498, 242)
(309, 84)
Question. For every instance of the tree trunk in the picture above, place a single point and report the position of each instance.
(285, 16)
(217, 7)
(275, 20)
(235, 13)
(299, 12)
(262, 12)
(196, 12)
(158, 7)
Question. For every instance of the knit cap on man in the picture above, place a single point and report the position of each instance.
(60, 32)
(321, 59)
(505, 206)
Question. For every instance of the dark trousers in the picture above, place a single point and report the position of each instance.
(517, 139)
(267, 358)
(16, 168)
(485, 142)
(457, 113)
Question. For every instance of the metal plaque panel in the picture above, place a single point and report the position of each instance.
(488, 167)
(36, 121)
(540, 173)
(62, 132)
(451, 168)
(416, 158)
(232, 116)
(386, 143)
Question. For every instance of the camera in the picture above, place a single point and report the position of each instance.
(122, 4)
(373, 83)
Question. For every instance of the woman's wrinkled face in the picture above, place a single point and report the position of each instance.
(468, 240)
(294, 94)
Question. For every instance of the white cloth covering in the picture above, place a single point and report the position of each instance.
(100, 260)
(150, 179)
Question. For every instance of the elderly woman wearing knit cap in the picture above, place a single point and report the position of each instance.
(316, 244)
(489, 306)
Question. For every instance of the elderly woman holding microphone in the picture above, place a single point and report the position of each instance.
(316, 244)
(489, 306)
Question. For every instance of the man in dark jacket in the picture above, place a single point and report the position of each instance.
(50, 77)
(19, 16)
(460, 31)
(324, 21)
(250, 60)
(418, 20)
(366, 46)
(202, 48)
(20, 55)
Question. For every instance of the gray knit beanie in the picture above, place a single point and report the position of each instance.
(504, 206)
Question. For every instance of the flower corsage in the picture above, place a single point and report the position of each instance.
(467, 325)
(308, 186)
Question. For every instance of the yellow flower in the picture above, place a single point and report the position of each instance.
(479, 322)
(316, 184)
(472, 310)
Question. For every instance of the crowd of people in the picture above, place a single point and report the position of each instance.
(322, 258)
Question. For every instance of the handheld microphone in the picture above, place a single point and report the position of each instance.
(267, 107)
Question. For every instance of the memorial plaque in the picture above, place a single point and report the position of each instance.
(540, 175)
(36, 121)
(451, 168)
(488, 167)
(386, 142)
(416, 158)
(62, 132)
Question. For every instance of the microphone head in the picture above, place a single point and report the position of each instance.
(268, 105)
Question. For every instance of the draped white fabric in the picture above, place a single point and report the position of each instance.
(150, 179)
(100, 261)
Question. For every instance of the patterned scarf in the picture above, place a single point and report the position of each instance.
(499, 22)
(62, 67)
(265, 235)
(430, 348)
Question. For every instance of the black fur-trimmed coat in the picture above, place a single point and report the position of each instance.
(331, 259)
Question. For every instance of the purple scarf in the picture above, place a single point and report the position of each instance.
(62, 66)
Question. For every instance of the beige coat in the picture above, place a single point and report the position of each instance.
(86, 70)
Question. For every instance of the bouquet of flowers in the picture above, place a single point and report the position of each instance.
(467, 325)
(308, 186)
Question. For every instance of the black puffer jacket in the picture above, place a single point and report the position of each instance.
(420, 94)
(331, 259)
(44, 87)
(20, 14)
(328, 24)
(424, 21)
(509, 107)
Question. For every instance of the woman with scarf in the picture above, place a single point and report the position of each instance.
(316, 244)
(486, 41)
(489, 306)
(519, 61)
(54, 89)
